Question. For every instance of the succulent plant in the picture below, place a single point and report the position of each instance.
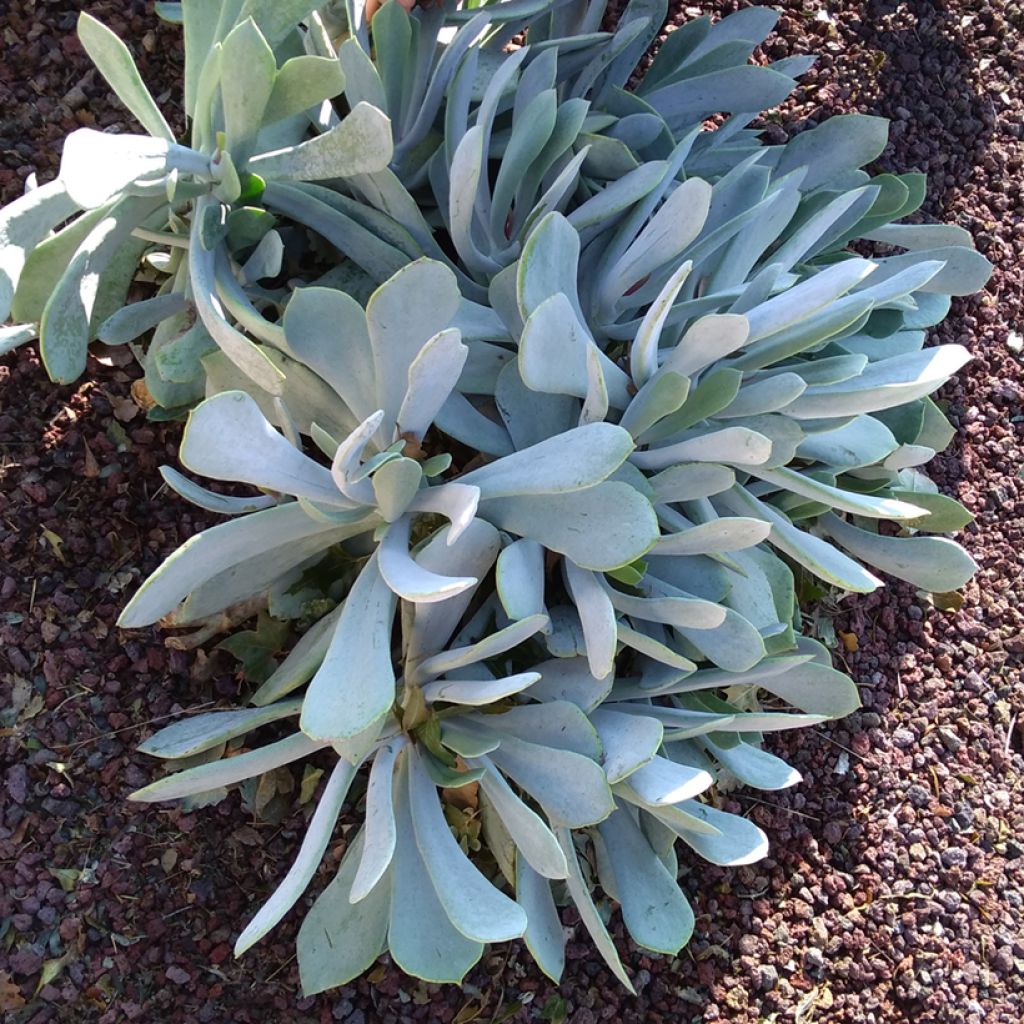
(541, 445)
(255, 101)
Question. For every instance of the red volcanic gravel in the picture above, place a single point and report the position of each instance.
(895, 888)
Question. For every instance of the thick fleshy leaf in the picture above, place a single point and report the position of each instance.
(246, 88)
(580, 893)
(202, 732)
(338, 940)
(472, 554)
(560, 725)
(543, 935)
(661, 781)
(229, 438)
(738, 841)
(629, 741)
(65, 328)
(754, 766)
(307, 860)
(301, 83)
(228, 770)
(931, 563)
(355, 685)
(670, 230)
(570, 679)
(883, 384)
(519, 578)
(379, 832)
(431, 376)
(407, 577)
(736, 446)
(241, 350)
(24, 223)
(476, 908)
(820, 557)
(478, 692)
(597, 617)
(360, 144)
(643, 355)
(533, 839)
(571, 788)
(95, 166)
(665, 604)
(554, 349)
(400, 325)
(835, 146)
(718, 535)
(569, 462)
(422, 939)
(621, 524)
(849, 501)
(395, 486)
(861, 442)
(283, 537)
(654, 910)
(490, 647)
(709, 339)
(691, 482)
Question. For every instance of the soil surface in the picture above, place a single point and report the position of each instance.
(895, 885)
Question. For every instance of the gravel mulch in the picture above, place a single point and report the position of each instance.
(895, 887)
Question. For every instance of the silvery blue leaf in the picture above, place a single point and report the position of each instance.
(229, 438)
(677, 222)
(192, 735)
(431, 376)
(719, 535)
(395, 485)
(629, 741)
(491, 646)
(534, 840)
(338, 940)
(283, 537)
(572, 461)
(543, 935)
(570, 679)
(379, 832)
(849, 140)
(422, 939)
(478, 692)
(643, 355)
(691, 481)
(307, 860)
(622, 520)
(707, 340)
(477, 909)
(554, 350)
(654, 910)
(738, 841)
(572, 789)
(754, 766)
(355, 685)
(931, 563)
(360, 144)
(519, 578)
(407, 577)
(472, 554)
(25, 223)
(597, 617)
(229, 770)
